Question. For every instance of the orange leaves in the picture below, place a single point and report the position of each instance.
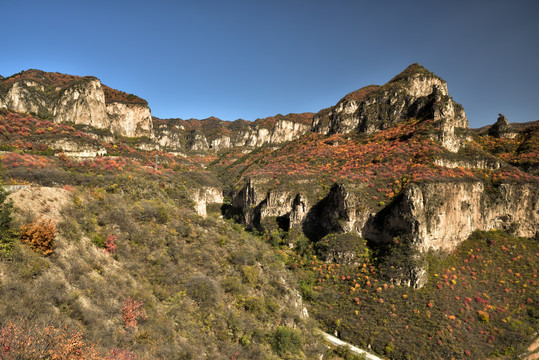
(113, 95)
(20, 341)
(39, 235)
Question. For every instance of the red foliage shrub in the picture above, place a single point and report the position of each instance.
(39, 235)
(110, 244)
(133, 312)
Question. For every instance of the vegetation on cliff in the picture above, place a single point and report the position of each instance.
(54, 83)
(110, 260)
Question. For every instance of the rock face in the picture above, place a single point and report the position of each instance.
(82, 103)
(131, 120)
(258, 201)
(80, 100)
(74, 149)
(502, 128)
(439, 216)
(215, 134)
(204, 196)
(415, 93)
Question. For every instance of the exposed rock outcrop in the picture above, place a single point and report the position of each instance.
(439, 216)
(75, 149)
(205, 196)
(480, 163)
(81, 103)
(131, 120)
(415, 93)
(260, 199)
(80, 100)
(215, 134)
(435, 216)
(502, 128)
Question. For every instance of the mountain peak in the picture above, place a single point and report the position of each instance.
(414, 70)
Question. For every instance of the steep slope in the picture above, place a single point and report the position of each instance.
(135, 268)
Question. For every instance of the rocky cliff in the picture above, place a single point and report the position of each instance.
(436, 216)
(205, 196)
(215, 134)
(415, 93)
(261, 200)
(79, 100)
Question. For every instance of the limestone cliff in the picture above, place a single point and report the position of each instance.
(205, 196)
(77, 150)
(415, 93)
(83, 102)
(215, 134)
(131, 120)
(80, 100)
(260, 199)
(439, 216)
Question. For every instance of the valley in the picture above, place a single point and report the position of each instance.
(384, 220)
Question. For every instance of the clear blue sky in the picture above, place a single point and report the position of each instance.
(248, 59)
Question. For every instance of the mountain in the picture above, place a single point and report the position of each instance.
(86, 101)
(75, 99)
(393, 155)
(383, 220)
(414, 93)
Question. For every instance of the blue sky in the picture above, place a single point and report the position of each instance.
(248, 59)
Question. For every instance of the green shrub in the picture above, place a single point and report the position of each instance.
(7, 237)
(250, 275)
(343, 248)
(286, 340)
(203, 290)
(98, 240)
(345, 353)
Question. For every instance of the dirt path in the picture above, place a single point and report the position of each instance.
(338, 342)
(533, 349)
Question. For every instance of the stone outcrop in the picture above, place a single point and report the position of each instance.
(490, 163)
(439, 216)
(205, 196)
(259, 200)
(81, 103)
(415, 93)
(131, 120)
(79, 100)
(74, 149)
(215, 135)
(502, 128)
(436, 216)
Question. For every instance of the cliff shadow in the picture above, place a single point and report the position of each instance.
(313, 227)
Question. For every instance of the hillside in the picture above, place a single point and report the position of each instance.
(383, 219)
